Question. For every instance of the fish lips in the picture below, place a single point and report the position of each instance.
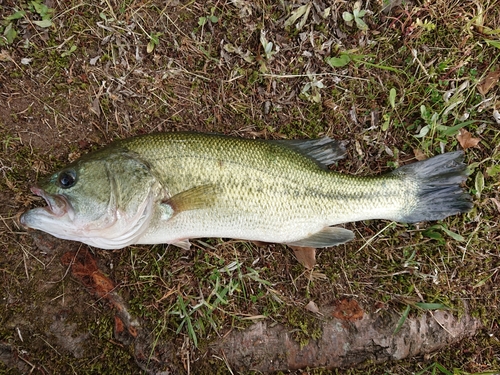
(57, 206)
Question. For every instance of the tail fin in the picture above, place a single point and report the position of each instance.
(439, 192)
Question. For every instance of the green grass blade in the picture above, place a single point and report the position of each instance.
(431, 306)
(402, 320)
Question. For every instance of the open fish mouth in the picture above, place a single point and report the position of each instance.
(57, 205)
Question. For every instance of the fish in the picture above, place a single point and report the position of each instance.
(173, 187)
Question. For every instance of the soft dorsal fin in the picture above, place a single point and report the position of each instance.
(325, 151)
(328, 236)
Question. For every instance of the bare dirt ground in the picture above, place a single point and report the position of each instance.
(396, 84)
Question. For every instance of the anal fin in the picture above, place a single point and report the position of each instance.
(328, 236)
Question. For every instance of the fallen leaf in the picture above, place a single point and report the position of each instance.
(303, 12)
(466, 140)
(102, 284)
(305, 255)
(43, 23)
(419, 155)
(4, 56)
(496, 116)
(312, 307)
(488, 82)
(119, 326)
(330, 103)
(348, 309)
(84, 268)
(95, 107)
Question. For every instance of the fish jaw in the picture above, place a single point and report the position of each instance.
(57, 205)
(57, 214)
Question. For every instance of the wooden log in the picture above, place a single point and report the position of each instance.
(345, 342)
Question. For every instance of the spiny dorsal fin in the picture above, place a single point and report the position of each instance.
(329, 236)
(325, 151)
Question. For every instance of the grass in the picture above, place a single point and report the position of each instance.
(403, 88)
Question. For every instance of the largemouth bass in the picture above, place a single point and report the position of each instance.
(172, 187)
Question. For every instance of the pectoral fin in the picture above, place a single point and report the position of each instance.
(198, 197)
(328, 236)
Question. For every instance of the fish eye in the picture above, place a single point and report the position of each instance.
(67, 179)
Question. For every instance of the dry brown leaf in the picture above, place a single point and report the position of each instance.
(488, 82)
(312, 307)
(330, 103)
(348, 309)
(95, 107)
(419, 155)
(4, 56)
(305, 255)
(466, 140)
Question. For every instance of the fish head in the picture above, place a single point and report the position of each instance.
(104, 199)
